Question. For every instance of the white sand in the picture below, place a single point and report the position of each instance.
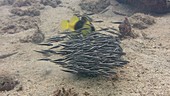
(147, 74)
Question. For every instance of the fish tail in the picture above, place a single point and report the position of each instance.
(65, 25)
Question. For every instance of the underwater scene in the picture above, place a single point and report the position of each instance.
(84, 47)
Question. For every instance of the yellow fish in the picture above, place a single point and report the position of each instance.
(76, 23)
(69, 25)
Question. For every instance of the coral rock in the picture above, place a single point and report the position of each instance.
(52, 3)
(159, 6)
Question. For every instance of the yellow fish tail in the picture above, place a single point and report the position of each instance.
(74, 20)
(65, 25)
(69, 25)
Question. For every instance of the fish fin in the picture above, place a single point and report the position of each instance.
(65, 25)
(73, 22)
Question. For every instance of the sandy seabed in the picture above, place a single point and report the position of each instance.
(147, 74)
